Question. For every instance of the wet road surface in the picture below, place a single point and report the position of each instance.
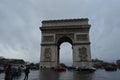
(34, 75)
(68, 75)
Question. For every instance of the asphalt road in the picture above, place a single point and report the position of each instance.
(68, 75)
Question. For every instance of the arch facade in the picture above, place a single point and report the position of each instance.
(55, 32)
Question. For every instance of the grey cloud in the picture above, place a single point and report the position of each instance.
(20, 21)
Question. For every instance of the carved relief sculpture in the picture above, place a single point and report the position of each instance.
(48, 38)
(55, 32)
(47, 54)
(82, 37)
(83, 54)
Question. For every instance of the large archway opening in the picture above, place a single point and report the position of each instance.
(65, 52)
(73, 31)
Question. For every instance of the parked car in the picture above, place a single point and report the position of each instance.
(2, 69)
(34, 68)
(22, 67)
(111, 68)
(16, 70)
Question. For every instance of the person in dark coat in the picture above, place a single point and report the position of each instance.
(8, 73)
(27, 71)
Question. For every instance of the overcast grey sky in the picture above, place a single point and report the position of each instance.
(20, 21)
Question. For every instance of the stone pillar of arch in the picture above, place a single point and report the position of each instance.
(55, 32)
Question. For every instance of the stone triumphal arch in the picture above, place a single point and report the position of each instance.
(74, 31)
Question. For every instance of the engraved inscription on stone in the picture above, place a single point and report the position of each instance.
(48, 38)
(83, 54)
(82, 37)
(47, 54)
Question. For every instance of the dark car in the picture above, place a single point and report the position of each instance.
(34, 68)
(71, 67)
(110, 68)
(16, 70)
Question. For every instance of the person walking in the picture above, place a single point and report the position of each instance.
(27, 71)
(8, 73)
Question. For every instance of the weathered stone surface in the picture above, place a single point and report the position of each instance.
(55, 32)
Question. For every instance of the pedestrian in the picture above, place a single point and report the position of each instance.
(27, 71)
(8, 73)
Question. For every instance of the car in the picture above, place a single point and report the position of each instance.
(22, 67)
(71, 67)
(86, 69)
(2, 69)
(59, 68)
(16, 70)
(34, 68)
(110, 68)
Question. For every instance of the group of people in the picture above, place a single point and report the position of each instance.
(9, 76)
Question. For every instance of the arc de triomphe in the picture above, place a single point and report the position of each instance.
(74, 31)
